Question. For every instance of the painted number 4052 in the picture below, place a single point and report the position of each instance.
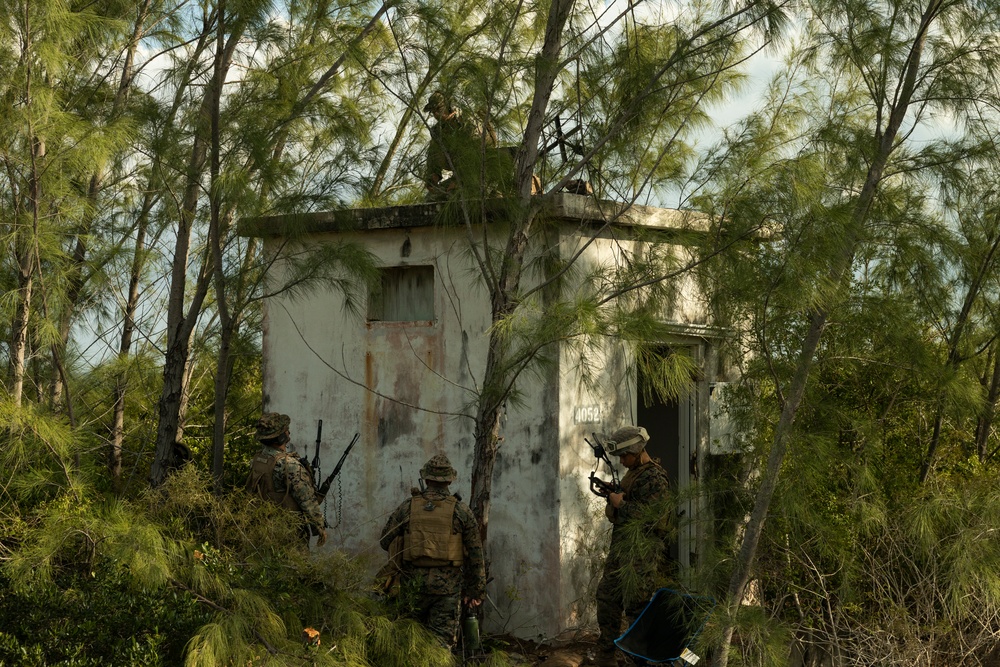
(587, 414)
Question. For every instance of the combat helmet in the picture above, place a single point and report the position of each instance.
(438, 102)
(438, 469)
(627, 440)
(272, 426)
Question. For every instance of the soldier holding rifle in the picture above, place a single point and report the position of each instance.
(641, 497)
(279, 476)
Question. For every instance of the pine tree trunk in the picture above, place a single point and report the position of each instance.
(73, 290)
(224, 370)
(223, 366)
(497, 379)
(230, 322)
(19, 330)
(985, 423)
(26, 262)
(75, 280)
(117, 429)
(23, 240)
(487, 440)
(954, 354)
(180, 325)
(125, 345)
(185, 401)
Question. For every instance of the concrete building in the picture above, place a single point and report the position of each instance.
(403, 369)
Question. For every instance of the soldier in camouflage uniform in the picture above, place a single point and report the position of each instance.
(468, 151)
(645, 490)
(436, 538)
(279, 476)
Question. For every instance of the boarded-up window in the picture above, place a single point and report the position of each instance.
(406, 295)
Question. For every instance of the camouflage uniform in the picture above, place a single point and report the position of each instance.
(642, 486)
(292, 483)
(438, 591)
(468, 151)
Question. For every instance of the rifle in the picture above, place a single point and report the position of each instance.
(325, 486)
(315, 461)
(314, 468)
(598, 486)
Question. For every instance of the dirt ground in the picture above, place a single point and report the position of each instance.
(575, 651)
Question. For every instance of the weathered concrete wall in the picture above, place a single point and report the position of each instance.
(584, 531)
(390, 381)
(409, 387)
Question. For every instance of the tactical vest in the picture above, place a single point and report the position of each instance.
(261, 481)
(632, 475)
(662, 526)
(429, 540)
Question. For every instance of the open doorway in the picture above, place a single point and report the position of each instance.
(670, 424)
(661, 420)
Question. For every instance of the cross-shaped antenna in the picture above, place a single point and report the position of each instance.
(561, 141)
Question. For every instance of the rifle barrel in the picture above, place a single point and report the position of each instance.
(319, 436)
(329, 480)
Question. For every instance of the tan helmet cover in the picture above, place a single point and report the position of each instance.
(438, 469)
(438, 102)
(271, 425)
(627, 440)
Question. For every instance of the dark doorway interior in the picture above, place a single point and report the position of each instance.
(661, 419)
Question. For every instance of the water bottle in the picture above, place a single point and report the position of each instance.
(470, 632)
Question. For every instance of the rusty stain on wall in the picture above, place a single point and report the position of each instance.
(370, 430)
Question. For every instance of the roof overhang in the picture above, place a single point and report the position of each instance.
(561, 206)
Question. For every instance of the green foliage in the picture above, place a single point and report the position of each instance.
(183, 574)
(638, 551)
(70, 626)
(883, 483)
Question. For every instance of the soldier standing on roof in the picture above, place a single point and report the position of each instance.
(628, 582)
(436, 537)
(278, 476)
(453, 154)
(462, 156)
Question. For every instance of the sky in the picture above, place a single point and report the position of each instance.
(759, 70)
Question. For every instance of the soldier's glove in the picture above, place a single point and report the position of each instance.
(322, 537)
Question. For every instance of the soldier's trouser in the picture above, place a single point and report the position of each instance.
(611, 606)
(440, 614)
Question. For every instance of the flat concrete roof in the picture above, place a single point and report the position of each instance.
(572, 208)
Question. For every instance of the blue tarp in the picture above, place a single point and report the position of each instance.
(666, 628)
